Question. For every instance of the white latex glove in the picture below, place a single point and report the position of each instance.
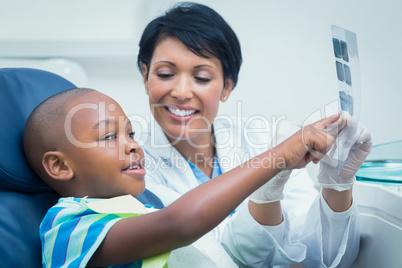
(328, 176)
(272, 191)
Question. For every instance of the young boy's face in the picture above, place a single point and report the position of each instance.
(101, 151)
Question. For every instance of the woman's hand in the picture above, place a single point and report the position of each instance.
(343, 179)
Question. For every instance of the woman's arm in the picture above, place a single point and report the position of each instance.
(337, 201)
(204, 207)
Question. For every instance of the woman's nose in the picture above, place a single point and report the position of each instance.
(183, 89)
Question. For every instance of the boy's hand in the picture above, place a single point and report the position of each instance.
(310, 143)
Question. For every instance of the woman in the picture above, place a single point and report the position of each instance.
(190, 59)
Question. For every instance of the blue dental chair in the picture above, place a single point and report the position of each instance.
(24, 198)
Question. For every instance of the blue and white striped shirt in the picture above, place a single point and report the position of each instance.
(71, 232)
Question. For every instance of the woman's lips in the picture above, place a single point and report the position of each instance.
(181, 113)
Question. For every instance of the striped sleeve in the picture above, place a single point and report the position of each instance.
(70, 233)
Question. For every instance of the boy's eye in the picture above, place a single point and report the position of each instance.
(131, 134)
(109, 136)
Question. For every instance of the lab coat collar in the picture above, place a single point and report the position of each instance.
(229, 144)
(225, 142)
(157, 141)
(237, 140)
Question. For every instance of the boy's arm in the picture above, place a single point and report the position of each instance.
(204, 207)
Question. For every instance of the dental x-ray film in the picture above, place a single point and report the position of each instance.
(348, 76)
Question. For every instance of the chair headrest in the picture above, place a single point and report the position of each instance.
(21, 90)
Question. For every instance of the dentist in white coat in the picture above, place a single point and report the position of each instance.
(190, 59)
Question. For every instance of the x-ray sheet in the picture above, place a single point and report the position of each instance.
(348, 76)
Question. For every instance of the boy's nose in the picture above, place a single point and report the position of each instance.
(132, 147)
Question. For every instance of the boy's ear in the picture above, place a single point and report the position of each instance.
(227, 89)
(145, 76)
(56, 167)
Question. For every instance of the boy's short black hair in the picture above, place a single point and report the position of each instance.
(201, 29)
(44, 130)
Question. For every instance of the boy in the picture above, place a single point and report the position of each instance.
(81, 143)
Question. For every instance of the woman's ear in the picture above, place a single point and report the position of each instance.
(56, 166)
(145, 76)
(227, 89)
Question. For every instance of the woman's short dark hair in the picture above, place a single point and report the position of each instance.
(201, 29)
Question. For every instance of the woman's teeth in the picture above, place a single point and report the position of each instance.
(179, 112)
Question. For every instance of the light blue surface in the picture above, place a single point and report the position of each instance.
(201, 176)
(383, 165)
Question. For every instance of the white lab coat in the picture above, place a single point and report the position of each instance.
(311, 233)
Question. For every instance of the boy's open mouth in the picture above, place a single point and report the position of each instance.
(137, 164)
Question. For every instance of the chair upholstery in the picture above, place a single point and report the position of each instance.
(24, 197)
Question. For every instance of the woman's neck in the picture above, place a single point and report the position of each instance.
(200, 151)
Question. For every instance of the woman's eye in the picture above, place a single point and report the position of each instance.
(203, 79)
(109, 136)
(164, 75)
(131, 134)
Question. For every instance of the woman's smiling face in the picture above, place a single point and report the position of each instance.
(184, 90)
